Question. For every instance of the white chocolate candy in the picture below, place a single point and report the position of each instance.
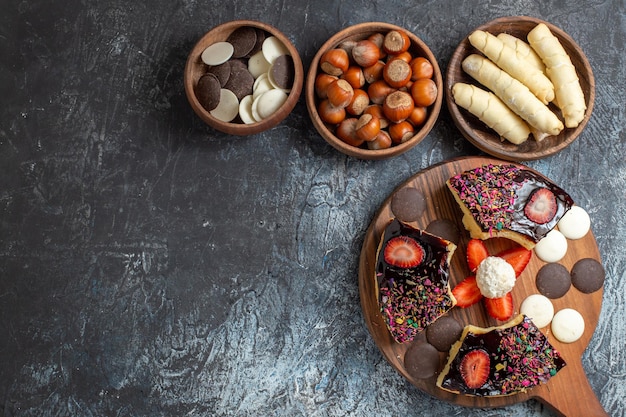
(257, 64)
(575, 223)
(552, 248)
(270, 101)
(273, 48)
(539, 308)
(228, 107)
(568, 325)
(217, 53)
(245, 110)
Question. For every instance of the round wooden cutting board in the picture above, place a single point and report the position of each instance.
(568, 393)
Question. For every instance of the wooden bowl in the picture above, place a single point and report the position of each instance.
(488, 140)
(195, 68)
(355, 33)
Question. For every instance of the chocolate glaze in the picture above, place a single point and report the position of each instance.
(508, 178)
(499, 344)
(418, 295)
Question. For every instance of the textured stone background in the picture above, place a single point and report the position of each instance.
(151, 266)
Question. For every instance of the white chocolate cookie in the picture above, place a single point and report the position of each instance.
(575, 223)
(539, 308)
(552, 248)
(568, 325)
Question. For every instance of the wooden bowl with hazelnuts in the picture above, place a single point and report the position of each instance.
(374, 90)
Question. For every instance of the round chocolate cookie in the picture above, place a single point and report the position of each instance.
(408, 204)
(445, 229)
(588, 275)
(243, 40)
(553, 280)
(443, 333)
(421, 360)
(208, 91)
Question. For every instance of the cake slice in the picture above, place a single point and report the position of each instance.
(412, 276)
(510, 201)
(499, 361)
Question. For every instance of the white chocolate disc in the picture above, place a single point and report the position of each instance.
(218, 53)
(575, 223)
(255, 110)
(539, 308)
(273, 48)
(228, 107)
(552, 248)
(245, 110)
(568, 325)
(270, 101)
(261, 87)
(257, 64)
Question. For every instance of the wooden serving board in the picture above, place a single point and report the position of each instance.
(569, 392)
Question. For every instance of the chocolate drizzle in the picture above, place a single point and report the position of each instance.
(412, 298)
(496, 195)
(521, 357)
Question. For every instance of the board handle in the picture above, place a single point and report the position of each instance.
(577, 398)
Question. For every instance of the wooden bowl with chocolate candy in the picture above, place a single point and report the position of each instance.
(504, 131)
(243, 77)
(374, 90)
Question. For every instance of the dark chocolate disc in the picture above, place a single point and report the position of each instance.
(283, 72)
(408, 204)
(553, 280)
(240, 83)
(243, 40)
(445, 229)
(222, 72)
(443, 333)
(208, 91)
(421, 360)
(588, 275)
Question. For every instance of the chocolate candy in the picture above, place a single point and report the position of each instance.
(445, 229)
(553, 280)
(243, 40)
(421, 360)
(408, 204)
(588, 275)
(443, 333)
(208, 91)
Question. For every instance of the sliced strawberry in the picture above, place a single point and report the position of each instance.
(403, 252)
(541, 206)
(518, 257)
(474, 368)
(476, 253)
(467, 292)
(500, 308)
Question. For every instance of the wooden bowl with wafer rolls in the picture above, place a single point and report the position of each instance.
(474, 127)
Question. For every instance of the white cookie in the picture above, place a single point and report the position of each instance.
(539, 308)
(575, 223)
(568, 325)
(552, 248)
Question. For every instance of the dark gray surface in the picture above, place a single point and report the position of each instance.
(151, 266)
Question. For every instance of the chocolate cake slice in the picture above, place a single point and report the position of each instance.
(499, 361)
(510, 201)
(412, 276)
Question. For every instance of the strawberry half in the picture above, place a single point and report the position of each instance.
(403, 252)
(476, 253)
(474, 368)
(467, 292)
(517, 257)
(500, 308)
(541, 206)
